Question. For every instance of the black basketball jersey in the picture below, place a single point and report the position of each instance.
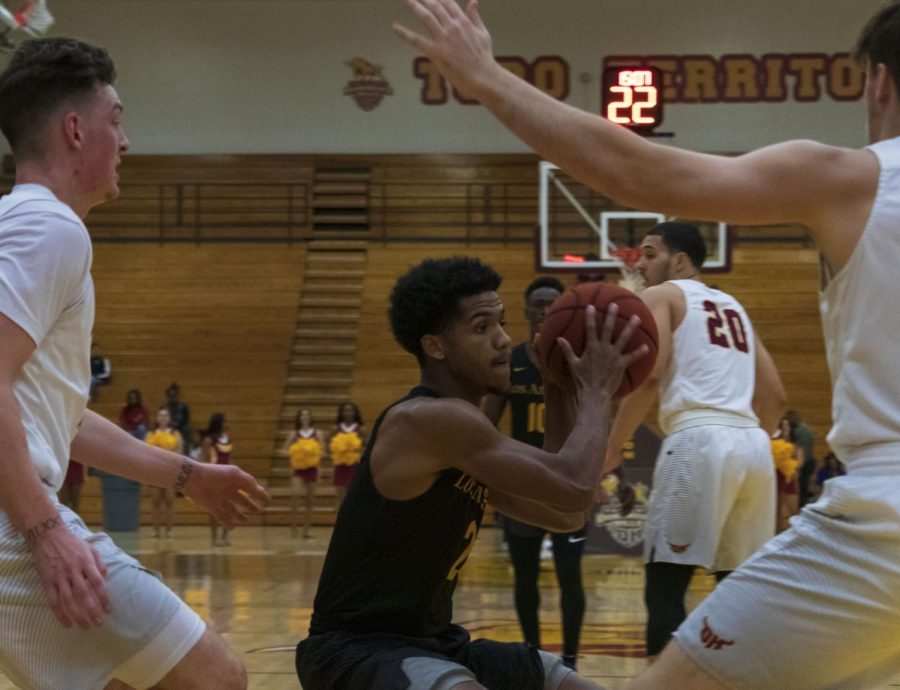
(392, 566)
(526, 398)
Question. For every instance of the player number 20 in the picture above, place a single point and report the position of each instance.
(726, 332)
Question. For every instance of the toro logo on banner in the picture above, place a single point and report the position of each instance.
(368, 86)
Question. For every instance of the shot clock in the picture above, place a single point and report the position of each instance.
(632, 97)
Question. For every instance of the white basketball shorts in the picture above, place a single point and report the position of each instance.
(148, 632)
(816, 607)
(714, 492)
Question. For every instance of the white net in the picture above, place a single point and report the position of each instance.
(35, 18)
(631, 277)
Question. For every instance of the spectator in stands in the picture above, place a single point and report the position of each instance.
(831, 467)
(345, 447)
(70, 493)
(101, 370)
(803, 439)
(167, 437)
(305, 446)
(217, 448)
(180, 414)
(133, 417)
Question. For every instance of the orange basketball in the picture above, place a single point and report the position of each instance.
(565, 319)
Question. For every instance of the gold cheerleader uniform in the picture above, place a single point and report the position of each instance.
(162, 438)
(306, 453)
(346, 451)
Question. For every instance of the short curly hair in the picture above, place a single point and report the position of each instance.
(426, 299)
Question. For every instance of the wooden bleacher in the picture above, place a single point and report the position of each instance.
(217, 318)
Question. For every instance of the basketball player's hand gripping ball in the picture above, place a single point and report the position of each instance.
(566, 319)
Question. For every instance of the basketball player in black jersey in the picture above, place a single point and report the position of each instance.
(382, 614)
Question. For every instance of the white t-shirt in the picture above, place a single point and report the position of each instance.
(46, 289)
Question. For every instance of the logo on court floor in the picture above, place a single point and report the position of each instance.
(368, 87)
(710, 639)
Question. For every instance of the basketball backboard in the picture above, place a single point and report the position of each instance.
(580, 230)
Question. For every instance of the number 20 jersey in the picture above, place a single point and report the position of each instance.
(713, 364)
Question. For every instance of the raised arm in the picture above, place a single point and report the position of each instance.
(827, 189)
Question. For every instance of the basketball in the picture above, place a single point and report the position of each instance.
(565, 319)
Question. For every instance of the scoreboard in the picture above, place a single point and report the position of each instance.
(632, 97)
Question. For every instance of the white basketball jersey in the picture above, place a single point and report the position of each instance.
(861, 321)
(713, 367)
(46, 289)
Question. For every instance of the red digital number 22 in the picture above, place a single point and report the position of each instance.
(717, 328)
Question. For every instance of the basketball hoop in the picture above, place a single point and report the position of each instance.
(33, 18)
(631, 277)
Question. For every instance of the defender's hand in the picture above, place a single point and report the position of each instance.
(225, 491)
(457, 42)
(72, 574)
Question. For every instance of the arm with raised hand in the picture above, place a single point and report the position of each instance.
(828, 189)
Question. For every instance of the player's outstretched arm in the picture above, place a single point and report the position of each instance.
(71, 571)
(226, 491)
(797, 182)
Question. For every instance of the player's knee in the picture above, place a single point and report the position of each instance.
(210, 665)
(233, 675)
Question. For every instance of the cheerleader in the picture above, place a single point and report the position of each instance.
(305, 449)
(164, 436)
(345, 447)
